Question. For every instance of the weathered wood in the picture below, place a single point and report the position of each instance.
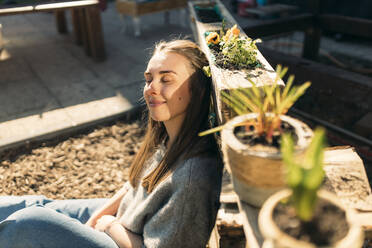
(76, 22)
(312, 33)
(311, 43)
(250, 224)
(214, 240)
(47, 7)
(226, 80)
(346, 176)
(84, 33)
(334, 163)
(337, 162)
(283, 25)
(133, 8)
(346, 86)
(346, 25)
(61, 21)
(272, 9)
(94, 33)
(85, 17)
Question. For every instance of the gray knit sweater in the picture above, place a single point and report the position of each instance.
(181, 210)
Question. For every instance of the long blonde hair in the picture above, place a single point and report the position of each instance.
(187, 143)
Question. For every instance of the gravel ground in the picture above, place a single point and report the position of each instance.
(93, 164)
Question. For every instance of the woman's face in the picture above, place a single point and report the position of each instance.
(167, 91)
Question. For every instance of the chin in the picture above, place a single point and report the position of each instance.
(158, 117)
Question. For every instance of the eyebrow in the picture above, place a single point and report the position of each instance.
(161, 72)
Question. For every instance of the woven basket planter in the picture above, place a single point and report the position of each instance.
(258, 174)
(276, 238)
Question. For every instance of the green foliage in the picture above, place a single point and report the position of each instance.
(306, 176)
(268, 99)
(240, 51)
(236, 50)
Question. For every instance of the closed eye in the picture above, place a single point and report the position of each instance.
(166, 79)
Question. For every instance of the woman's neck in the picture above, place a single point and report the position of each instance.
(173, 127)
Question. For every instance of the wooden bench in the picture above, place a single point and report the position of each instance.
(86, 21)
(136, 9)
(272, 9)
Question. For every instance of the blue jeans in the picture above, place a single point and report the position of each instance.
(39, 222)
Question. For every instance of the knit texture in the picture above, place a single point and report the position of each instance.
(181, 211)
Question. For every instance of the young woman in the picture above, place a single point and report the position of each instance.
(172, 196)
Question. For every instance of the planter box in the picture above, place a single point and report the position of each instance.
(227, 80)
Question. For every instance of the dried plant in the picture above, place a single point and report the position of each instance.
(306, 176)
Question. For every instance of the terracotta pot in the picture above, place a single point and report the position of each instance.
(258, 174)
(275, 238)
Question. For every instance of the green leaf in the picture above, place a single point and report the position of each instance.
(304, 202)
(293, 171)
(210, 131)
(240, 100)
(313, 160)
(287, 86)
(233, 103)
(283, 72)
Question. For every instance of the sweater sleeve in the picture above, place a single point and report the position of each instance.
(187, 218)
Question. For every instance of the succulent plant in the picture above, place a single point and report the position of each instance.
(304, 177)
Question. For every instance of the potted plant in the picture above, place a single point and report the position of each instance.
(233, 56)
(232, 51)
(250, 141)
(305, 216)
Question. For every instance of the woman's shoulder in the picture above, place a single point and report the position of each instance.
(198, 169)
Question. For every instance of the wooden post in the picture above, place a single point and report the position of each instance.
(84, 31)
(95, 33)
(76, 22)
(312, 34)
(61, 21)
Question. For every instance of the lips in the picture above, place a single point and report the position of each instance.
(155, 103)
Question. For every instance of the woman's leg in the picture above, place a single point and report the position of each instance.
(37, 227)
(11, 204)
(80, 209)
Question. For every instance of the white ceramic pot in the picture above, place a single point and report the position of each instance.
(258, 174)
(275, 238)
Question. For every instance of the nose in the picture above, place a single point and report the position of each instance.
(153, 88)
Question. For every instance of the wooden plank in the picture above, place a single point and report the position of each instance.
(250, 224)
(61, 21)
(226, 80)
(76, 22)
(347, 178)
(283, 25)
(47, 7)
(272, 9)
(126, 7)
(133, 8)
(66, 5)
(84, 29)
(94, 33)
(311, 43)
(346, 25)
(337, 162)
(312, 33)
(347, 86)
